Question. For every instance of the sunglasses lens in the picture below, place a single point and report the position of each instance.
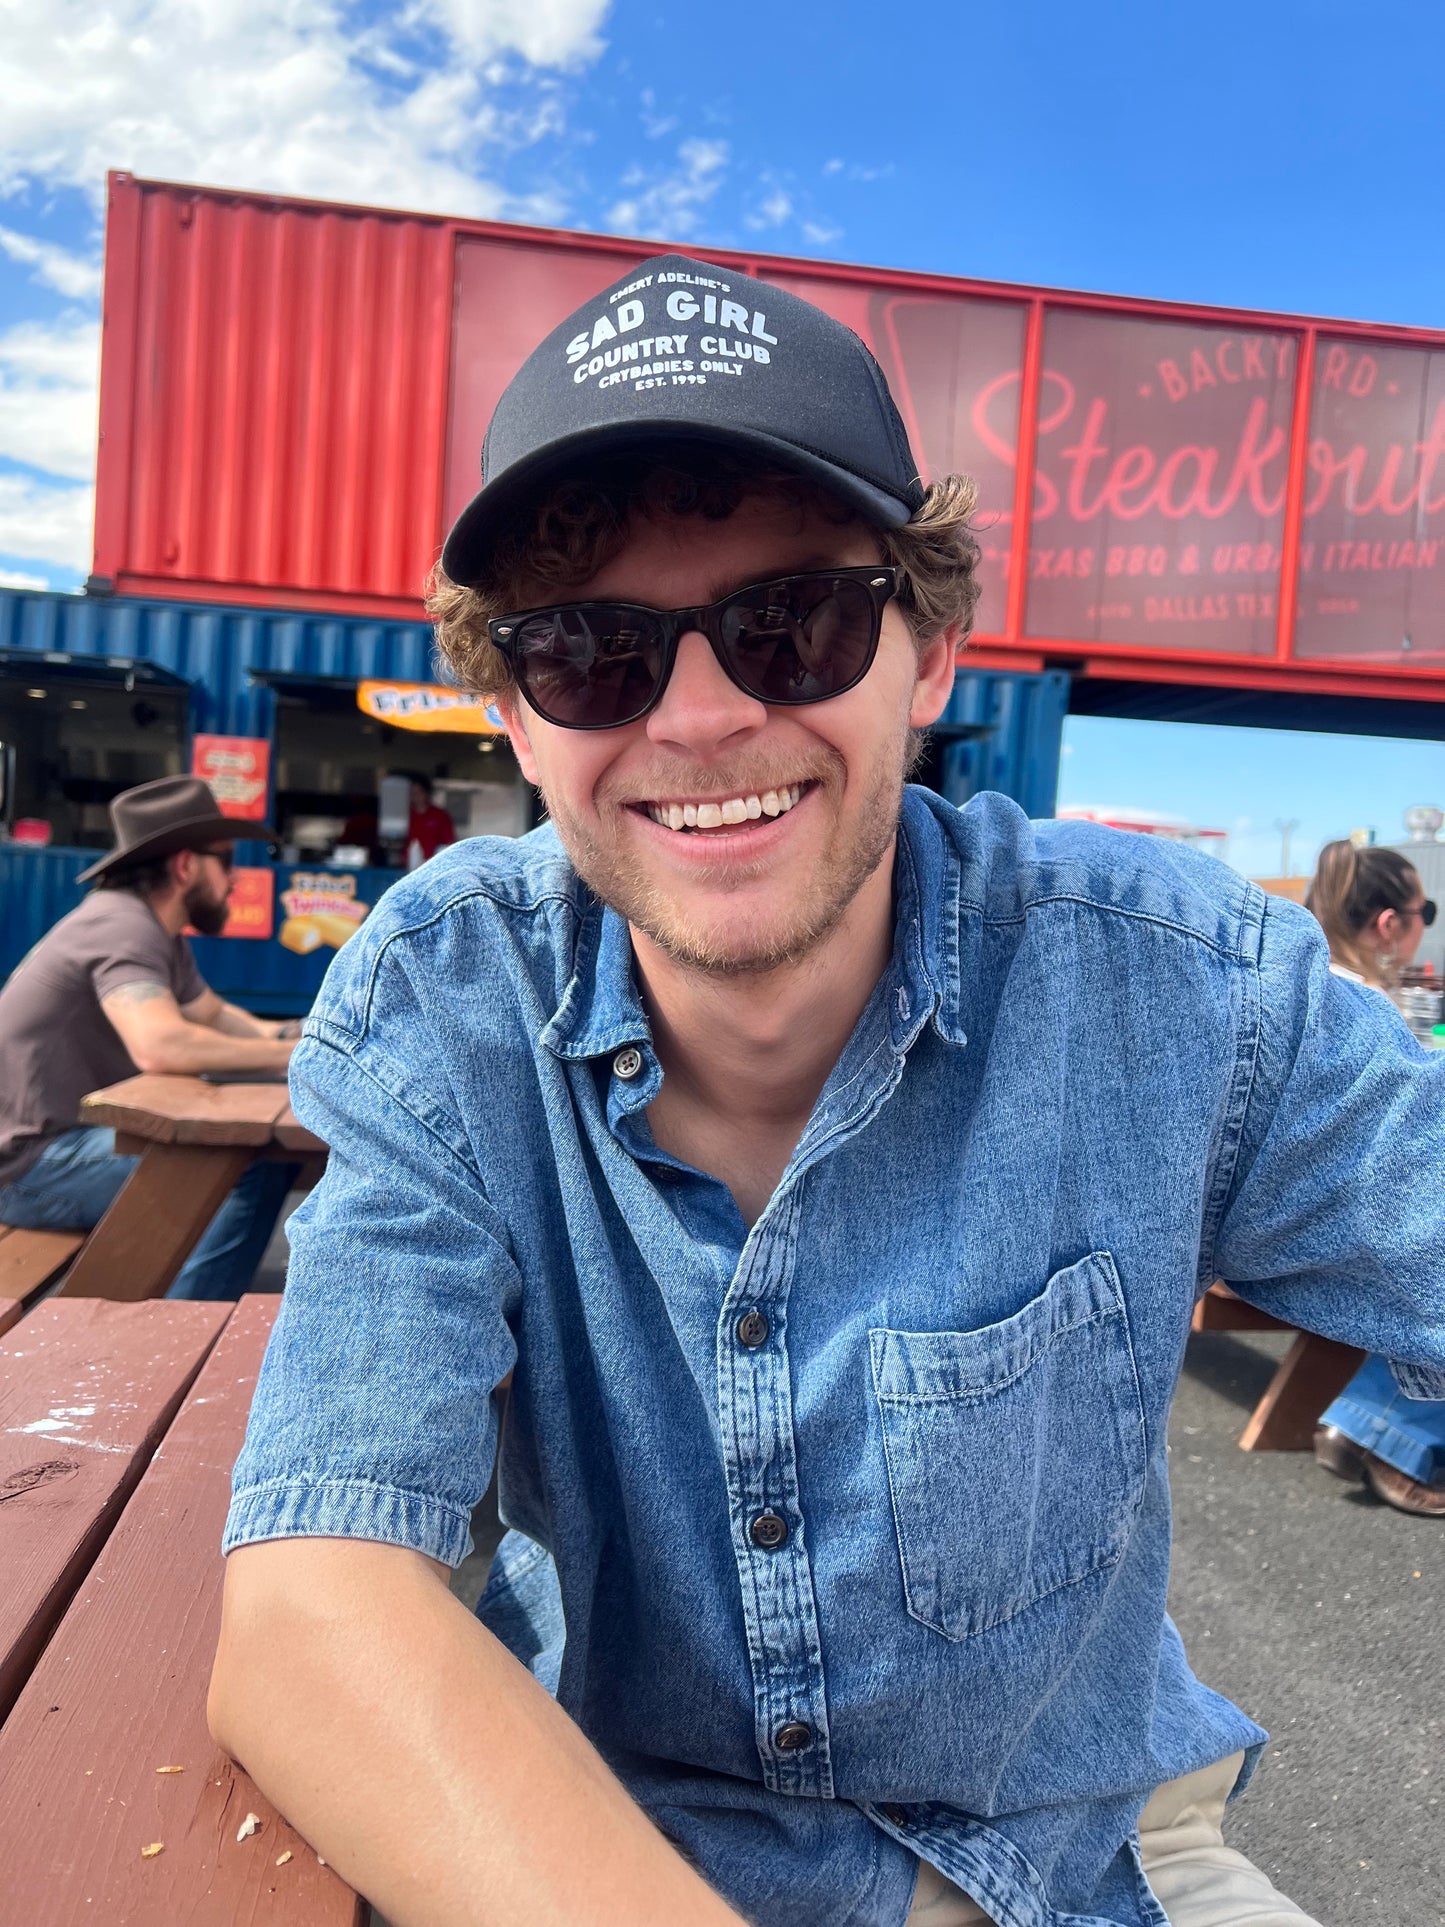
(1427, 912)
(589, 667)
(800, 639)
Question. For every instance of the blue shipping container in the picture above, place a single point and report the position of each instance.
(1001, 731)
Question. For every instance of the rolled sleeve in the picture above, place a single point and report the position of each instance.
(1336, 1220)
(374, 1415)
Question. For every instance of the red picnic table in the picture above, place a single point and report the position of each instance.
(194, 1141)
(119, 1424)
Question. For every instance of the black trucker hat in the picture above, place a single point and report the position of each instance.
(679, 350)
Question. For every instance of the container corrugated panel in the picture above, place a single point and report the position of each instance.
(37, 888)
(273, 407)
(216, 649)
(1020, 723)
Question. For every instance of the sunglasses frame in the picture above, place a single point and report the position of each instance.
(880, 579)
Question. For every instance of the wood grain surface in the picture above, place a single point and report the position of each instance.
(87, 1390)
(156, 1221)
(120, 1692)
(185, 1110)
(30, 1259)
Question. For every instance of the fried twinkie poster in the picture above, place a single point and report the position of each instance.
(321, 910)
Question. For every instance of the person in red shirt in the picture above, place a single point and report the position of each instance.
(429, 824)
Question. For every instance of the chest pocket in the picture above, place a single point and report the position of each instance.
(1016, 1453)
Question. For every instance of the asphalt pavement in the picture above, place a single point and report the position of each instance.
(1318, 1610)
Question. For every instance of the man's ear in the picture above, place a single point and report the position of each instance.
(184, 866)
(937, 660)
(509, 708)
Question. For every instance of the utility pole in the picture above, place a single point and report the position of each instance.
(1286, 827)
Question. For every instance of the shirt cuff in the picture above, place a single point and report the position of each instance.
(1419, 1381)
(347, 1509)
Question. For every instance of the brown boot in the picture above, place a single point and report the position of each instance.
(1401, 1491)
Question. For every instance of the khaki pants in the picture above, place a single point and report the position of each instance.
(1198, 1881)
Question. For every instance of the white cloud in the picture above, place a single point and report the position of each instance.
(818, 236)
(48, 384)
(17, 579)
(671, 204)
(290, 96)
(43, 523)
(772, 212)
(69, 274)
(548, 33)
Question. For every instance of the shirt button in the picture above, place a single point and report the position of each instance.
(752, 1330)
(768, 1531)
(792, 1736)
(627, 1063)
(895, 1815)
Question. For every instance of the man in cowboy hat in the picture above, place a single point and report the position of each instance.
(112, 990)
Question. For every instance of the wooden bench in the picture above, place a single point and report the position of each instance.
(119, 1424)
(29, 1261)
(1312, 1373)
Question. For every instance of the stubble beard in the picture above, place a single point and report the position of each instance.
(623, 883)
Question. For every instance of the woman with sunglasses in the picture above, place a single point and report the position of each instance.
(1374, 912)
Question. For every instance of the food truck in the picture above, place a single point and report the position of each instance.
(1184, 512)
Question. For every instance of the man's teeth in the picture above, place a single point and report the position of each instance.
(737, 809)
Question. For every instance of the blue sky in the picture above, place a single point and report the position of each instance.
(1266, 155)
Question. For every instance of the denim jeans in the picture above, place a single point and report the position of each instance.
(1408, 1433)
(77, 1176)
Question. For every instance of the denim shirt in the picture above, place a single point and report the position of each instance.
(857, 1522)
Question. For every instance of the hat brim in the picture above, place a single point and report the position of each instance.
(181, 836)
(467, 549)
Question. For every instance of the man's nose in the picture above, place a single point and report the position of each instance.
(701, 709)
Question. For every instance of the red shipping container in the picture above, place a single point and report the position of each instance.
(293, 399)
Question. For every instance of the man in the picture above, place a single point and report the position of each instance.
(112, 990)
(429, 826)
(833, 1172)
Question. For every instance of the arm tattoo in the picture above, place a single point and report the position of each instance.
(136, 994)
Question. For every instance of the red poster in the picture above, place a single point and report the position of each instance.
(238, 769)
(252, 907)
(1372, 550)
(952, 364)
(1158, 506)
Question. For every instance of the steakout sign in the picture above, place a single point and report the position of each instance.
(1160, 457)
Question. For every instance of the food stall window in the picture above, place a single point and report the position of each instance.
(75, 739)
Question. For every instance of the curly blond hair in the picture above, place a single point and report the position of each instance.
(565, 536)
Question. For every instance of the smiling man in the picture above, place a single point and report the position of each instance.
(831, 1174)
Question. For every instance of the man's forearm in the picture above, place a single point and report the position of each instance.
(188, 1049)
(421, 1760)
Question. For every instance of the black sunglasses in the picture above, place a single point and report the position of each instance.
(226, 858)
(793, 639)
(1426, 912)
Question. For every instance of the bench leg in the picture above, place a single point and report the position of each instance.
(156, 1221)
(1312, 1372)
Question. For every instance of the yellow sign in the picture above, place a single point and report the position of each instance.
(428, 705)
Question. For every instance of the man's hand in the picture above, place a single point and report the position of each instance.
(160, 1036)
(418, 1757)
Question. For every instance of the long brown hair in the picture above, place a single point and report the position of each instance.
(1349, 889)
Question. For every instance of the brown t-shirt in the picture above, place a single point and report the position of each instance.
(56, 1043)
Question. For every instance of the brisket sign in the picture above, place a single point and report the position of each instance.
(1161, 456)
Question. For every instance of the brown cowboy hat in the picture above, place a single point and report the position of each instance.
(173, 813)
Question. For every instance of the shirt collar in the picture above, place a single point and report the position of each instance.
(601, 1010)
